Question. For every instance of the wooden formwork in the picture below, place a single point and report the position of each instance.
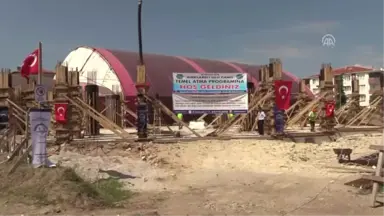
(302, 100)
(6, 93)
(352, 114)
(352, 107)
(17, 121)
(326, 95)
(258, 100)
(67, 86)
(326, 86)
(113, 109)
(249, 122)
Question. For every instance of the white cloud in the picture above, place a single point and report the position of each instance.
(311, 27)
(293, 30)
(282, 51)
(300, 53)
(317, 27)
(289, 42)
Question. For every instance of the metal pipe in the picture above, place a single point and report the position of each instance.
(140, 32)
(141, 104)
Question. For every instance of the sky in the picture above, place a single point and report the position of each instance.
(247, 31)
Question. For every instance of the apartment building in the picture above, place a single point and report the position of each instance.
(367, 81)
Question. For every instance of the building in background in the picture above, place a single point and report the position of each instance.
(368, 81)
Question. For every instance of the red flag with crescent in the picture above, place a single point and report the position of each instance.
(30, 64)
(61, 112)
(330, 109)
(283, 94)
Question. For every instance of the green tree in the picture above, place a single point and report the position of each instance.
(341, 98)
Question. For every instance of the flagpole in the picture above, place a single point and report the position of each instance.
(40, 69)
(39, 57)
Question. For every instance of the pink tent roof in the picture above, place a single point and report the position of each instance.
(159, 69)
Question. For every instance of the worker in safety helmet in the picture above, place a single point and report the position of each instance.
(312, 119)
(230, 115)
(180, 117)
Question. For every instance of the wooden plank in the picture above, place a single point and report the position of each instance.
(377, 147)
(16, 106)
(129, 111)
(90, 110)
(20, 159)
(18, 148)
(374, 178)
(305, 110)
(375, 187)
(214, 120)
(202, 117)
(170, 114)
(97, 118)
(352, 169)
(365, 110)
(240, 117)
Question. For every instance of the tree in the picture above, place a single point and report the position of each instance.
(341, 98)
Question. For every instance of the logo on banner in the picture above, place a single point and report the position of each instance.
(41, 129)
(239, 76)
(40, 93)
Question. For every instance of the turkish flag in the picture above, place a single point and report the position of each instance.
(30, 64)
(61, 112)
(330, 109)
(283, 94)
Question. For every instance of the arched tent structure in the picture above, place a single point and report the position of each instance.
(116, 69)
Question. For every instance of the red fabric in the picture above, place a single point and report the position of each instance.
(159, 69)
(61, 112)
(330, 109)
(283, 91)
(30, 64)
(145, 85)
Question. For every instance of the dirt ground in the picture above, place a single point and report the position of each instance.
(217, 177)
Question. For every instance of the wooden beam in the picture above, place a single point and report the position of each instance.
(105, 124)
(170, 114)
(364, 111)
(202, 117)
(305, 110)
(88, 109)
(214, 120)
(377, 179)
(377, 147)
(17, 149)
(240, 117)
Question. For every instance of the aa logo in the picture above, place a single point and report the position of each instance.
(328, 40)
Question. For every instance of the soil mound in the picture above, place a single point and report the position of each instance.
(58, 187)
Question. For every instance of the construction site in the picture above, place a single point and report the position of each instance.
(211, 165)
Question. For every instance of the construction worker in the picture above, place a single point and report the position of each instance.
(312, 119)
(230, 115)
(180, 117)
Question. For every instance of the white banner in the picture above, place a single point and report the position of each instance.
(210, 103)
(40, 120)
(206, 83)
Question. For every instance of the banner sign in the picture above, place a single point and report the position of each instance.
(209, 83)
(40, 120)
(210, 103)
(279, 120)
